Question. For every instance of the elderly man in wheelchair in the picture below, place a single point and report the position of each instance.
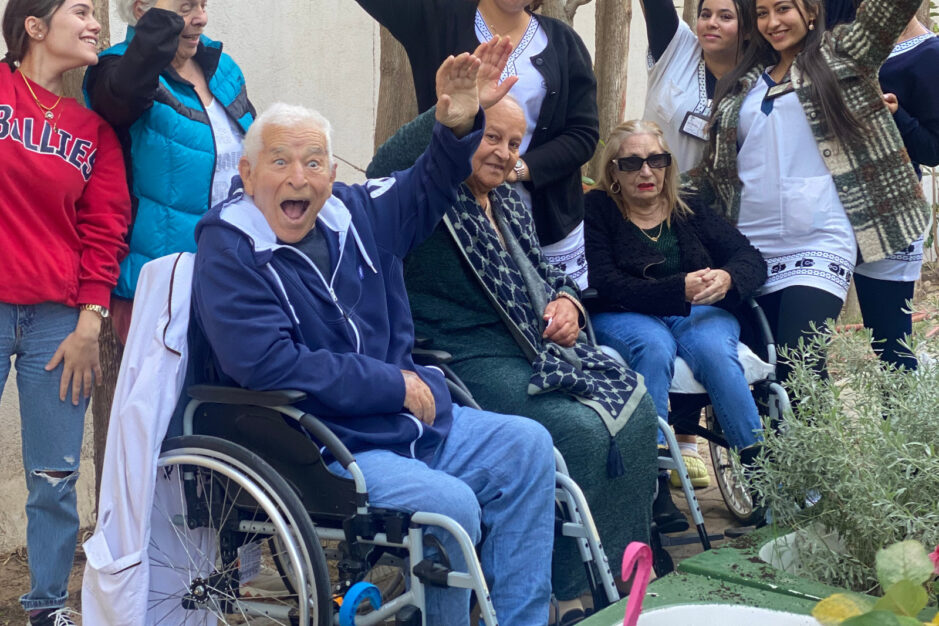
(308, 277)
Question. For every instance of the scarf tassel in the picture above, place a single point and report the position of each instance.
(614, 461)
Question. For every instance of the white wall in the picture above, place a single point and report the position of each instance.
(320, 53)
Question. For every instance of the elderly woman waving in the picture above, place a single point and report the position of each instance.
(180, 107)
(665, 276)
(481, 288)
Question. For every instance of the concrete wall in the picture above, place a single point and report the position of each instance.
(323, 54)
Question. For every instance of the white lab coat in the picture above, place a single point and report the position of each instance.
(152, 373)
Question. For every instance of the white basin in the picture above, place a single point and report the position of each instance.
(720, 614)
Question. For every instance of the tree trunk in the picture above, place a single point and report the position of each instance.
(563, 10)
(690, 12)
(110, 348)
(612, 46)
(923, 14)
(397, 103)
(73, 78)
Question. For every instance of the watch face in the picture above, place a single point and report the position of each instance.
(518, 164)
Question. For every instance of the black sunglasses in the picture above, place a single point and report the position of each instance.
(634, 163)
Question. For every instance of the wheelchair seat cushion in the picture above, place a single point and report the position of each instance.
(754, 368)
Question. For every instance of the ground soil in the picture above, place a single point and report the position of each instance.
(14, 572)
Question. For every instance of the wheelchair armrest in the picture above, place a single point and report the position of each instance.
(320, 432)
(427, 357)
(766, 333)
(589, 294)
(218, 394)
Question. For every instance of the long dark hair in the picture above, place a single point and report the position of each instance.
(824, 83)
(746, 23)
(14, 25)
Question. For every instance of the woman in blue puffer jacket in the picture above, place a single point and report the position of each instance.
(180, 109)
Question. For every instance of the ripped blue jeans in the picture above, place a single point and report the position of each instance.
(51, 442)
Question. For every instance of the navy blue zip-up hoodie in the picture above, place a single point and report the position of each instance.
(274, 321)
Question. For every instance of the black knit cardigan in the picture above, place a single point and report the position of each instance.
(619, 260)
(568, 125)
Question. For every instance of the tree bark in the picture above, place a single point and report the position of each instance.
(110, 348)
(563, 10)
(73, 78)
(397, 102)
(612, 45)
(923, 14)
(690, 12)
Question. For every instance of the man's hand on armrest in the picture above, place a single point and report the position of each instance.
(418, 398)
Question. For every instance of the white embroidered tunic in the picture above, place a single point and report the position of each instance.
(790, 208)
(677, 86)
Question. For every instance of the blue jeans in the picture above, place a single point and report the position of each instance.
(52, 439)
(493, 471)
(707, 340)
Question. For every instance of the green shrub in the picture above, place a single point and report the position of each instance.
(876, 478)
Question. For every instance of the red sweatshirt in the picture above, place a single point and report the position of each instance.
(64, 205)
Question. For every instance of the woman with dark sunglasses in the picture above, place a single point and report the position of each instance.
(666, 277)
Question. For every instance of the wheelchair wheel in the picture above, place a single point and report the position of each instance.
(730, 478)
(231, 542)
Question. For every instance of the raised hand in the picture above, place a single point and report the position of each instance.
(457, 98)
(493, 54)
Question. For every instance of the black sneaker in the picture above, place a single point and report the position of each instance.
(55, 617)
(665, 515)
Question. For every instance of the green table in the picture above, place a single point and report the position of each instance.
(740, 563)
(732, 574)
(681, 588)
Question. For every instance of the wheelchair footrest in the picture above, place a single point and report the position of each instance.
(432, 573)
(409, 616)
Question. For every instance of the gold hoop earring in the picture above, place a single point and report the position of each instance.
(616, 188)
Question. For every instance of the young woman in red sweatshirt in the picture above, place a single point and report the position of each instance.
(64, 212)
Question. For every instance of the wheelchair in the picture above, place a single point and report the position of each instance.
(687, 398)
(247, 518)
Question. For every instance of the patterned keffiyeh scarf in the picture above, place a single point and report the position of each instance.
(520, 283)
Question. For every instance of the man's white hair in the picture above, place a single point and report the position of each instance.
(125, 8)
(285, 116)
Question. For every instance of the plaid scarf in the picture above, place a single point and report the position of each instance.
(520, 283)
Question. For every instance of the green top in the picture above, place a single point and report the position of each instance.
(666, 244)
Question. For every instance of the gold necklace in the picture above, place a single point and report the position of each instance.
(650, 237)
(47, 111)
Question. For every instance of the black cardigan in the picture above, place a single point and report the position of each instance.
(618, 259)
(568, 125)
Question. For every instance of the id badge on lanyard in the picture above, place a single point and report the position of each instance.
(695, 123)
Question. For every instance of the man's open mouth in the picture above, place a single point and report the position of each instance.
(294, 209)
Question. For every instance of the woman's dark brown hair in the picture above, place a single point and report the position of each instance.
(841, 121)
(14, 25)
(746, 22)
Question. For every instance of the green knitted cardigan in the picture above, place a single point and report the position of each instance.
(875, 179)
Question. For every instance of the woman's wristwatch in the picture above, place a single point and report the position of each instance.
(102, 312)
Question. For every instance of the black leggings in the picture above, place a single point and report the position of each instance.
(882, 307)
(790, 312)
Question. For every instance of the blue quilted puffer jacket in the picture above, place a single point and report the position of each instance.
(172, 160)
